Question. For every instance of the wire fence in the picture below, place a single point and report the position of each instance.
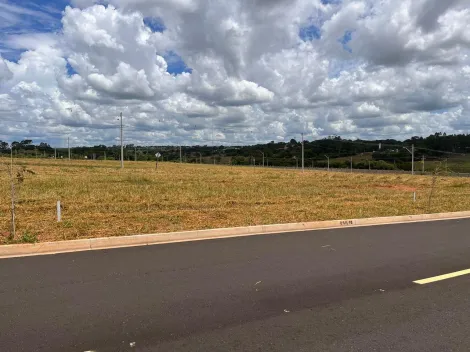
(335, 155)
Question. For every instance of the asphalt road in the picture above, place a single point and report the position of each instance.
(335, 290)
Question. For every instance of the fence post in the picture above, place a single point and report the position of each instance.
(59, 215)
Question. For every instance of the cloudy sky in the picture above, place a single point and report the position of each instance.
(238, 71)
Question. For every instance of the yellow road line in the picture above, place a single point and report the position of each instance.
(442, 277)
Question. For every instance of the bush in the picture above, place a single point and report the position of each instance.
(382, 165)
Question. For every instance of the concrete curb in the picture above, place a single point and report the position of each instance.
(22, 250)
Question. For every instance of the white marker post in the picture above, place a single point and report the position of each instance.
(59, 215)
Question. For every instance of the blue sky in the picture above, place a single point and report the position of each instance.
(176, 65)
(24, 17)
(33, 16)
(310, 32)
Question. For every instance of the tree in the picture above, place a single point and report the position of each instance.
(26, 142)
(44, 146)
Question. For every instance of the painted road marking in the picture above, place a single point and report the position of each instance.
(442, 277)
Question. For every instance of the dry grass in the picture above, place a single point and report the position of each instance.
(101, 200)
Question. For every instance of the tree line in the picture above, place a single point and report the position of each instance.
(377, 154)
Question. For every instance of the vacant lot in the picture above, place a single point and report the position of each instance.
(99, 199)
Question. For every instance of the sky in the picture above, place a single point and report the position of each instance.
(233, 72)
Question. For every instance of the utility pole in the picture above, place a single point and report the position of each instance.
(412, 152)
(55, 153)
(259, 151)
(351, 165)
(303, 159)
(68, 146)
(135, 153)
(181, 156)
(328, 158)
(122, 147)
(423, 164)
(213, 155)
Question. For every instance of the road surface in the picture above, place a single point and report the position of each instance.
(348, 289)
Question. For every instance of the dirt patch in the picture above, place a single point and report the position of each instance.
(397, 188)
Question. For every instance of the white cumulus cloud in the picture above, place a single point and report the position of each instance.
(246, 71)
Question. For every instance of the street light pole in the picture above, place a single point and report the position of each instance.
(213, 155)
(303, 159)
(328, 158)
(412, 152)
(259, 151)
(181, 156)
(122, 147)
(68, 146)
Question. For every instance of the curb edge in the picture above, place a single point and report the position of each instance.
(47, 248)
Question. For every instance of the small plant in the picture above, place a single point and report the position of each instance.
(16, 179)
(67, 224)
(21, 172)
(28, 237)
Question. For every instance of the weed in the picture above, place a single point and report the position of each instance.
(67, 224)
(28, 237)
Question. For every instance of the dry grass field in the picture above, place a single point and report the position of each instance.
(99, 199)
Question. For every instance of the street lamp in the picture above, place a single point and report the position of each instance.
(122, 145)
(412, 152)
(259, 151)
